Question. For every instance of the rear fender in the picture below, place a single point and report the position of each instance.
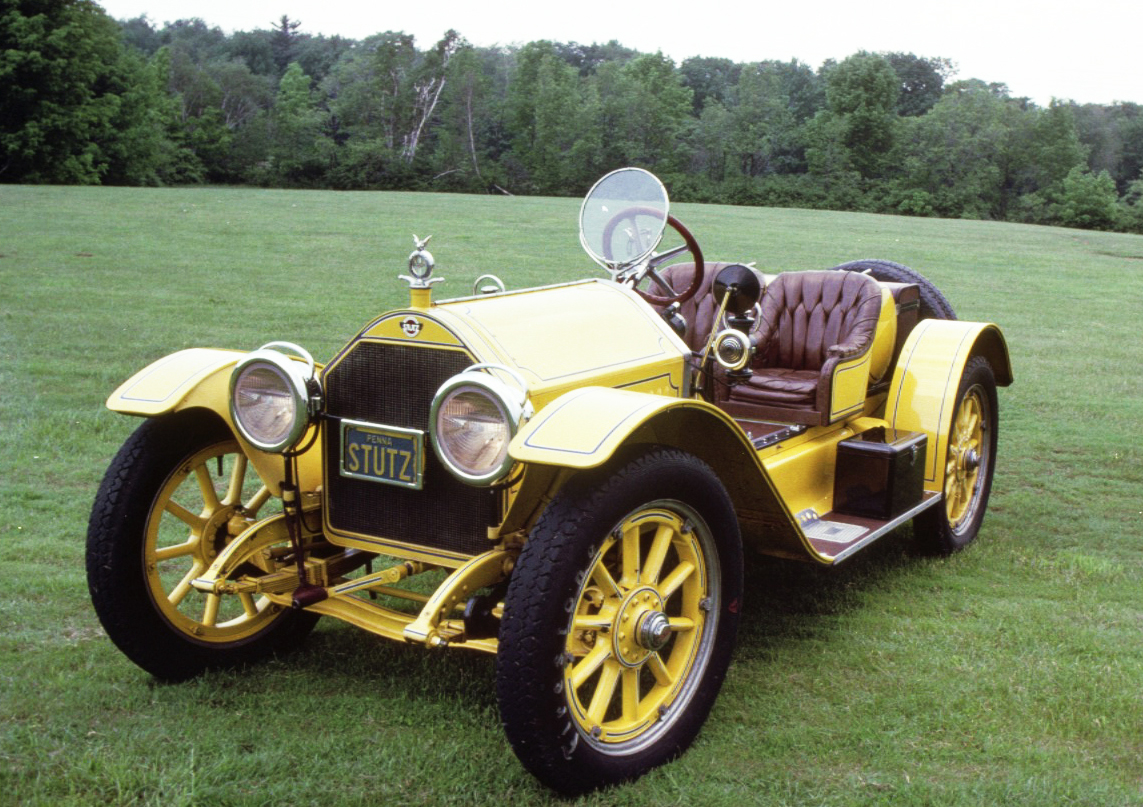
(199, 378)
(586, 428)
(922, 396)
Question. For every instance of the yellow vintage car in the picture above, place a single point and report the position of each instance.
(565, 477)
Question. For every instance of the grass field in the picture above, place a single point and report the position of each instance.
(1009, 674)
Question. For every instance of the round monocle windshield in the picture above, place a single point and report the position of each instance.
(623, 217)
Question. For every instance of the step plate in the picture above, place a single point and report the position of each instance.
(834, 532)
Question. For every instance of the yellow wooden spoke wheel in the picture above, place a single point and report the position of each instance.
(640, 624)
(177, 493)
(205, 503)
(619, 621)
(968, 451)
(968, 463)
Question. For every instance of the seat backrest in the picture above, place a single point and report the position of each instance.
(698, 311)
(806, 313)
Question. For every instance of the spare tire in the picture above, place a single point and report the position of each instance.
(933, 303)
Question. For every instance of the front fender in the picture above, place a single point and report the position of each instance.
(584, 428)
(200, 378)
(188, 378)
(922, 396)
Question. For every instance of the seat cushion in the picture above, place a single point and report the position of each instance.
(777, 385)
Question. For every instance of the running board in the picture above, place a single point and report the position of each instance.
(836, 536)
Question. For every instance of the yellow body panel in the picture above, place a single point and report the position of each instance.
(412, 326)
(922, 396)
(851, 378)
(881, 353)
(200, 378)
(635, 348)
(850, 382)
(803, 472)
(583, 428)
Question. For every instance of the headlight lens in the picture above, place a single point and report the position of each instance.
(474, 418)
(270, 399)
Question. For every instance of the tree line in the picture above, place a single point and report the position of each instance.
(87, 99)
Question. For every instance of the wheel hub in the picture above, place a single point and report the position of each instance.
(640, 627)
(654, 630)
(216, 534)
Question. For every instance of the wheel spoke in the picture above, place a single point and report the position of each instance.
(206, 485)
(591, 621)
(604, 580)
(237, 478)
(681, 623)
(248, 605)
(631, 558)
(179, 592)
(604, 692)
(676, 578)
(658, 669)
(955, 496)
(968, 421)
(589, 664)
(257, 500)
(210, 612)
(178, 550)
(653, 566)
(630, 693)
(196, 523)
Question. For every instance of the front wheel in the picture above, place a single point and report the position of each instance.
(619, 622)
(969, 461)
(179, 490)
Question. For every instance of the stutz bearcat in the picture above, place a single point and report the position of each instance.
(576, 469)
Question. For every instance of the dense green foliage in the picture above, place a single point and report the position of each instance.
(889, 133)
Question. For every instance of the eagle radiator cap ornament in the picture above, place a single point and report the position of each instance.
(421, 265)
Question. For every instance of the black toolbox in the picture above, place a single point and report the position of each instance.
(880, 473)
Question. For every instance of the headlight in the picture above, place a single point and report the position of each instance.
(271, 396)
(474, 417)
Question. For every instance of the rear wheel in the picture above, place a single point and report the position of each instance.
(619, 622)
(179, 490)
(934, 305)
(969, 461)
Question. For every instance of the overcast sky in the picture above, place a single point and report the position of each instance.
(1084, 51)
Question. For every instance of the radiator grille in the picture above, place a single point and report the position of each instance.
(393, 385)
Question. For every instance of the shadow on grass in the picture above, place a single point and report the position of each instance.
(350, 660)
(787, 600)
(786, 603)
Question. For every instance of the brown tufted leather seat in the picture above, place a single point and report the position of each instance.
(811, 321)
(698, 311)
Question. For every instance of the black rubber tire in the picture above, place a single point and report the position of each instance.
(117, 572)
(540, 607)
(933, 303)
(933, 528)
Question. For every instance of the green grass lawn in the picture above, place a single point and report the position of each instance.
(1009, 674)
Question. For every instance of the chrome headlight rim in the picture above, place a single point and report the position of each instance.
(298, 380)
(732, 349)
(510, 402)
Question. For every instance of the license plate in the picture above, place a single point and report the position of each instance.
(382, 453)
